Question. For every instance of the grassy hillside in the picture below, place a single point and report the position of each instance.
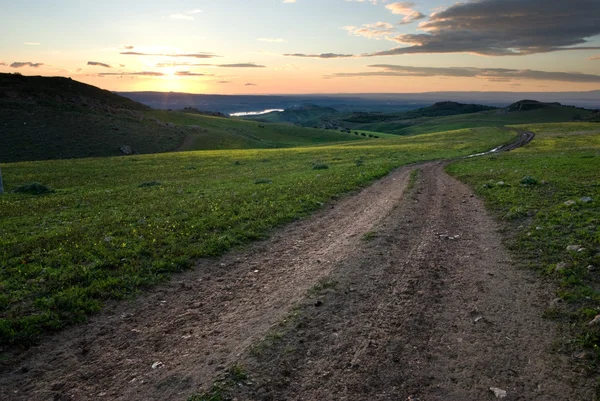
(213, 133)
(548, 195)
(307, 115)
(513, 114)
(58, 118)
(114, 225)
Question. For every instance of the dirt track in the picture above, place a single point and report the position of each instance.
(431, 308)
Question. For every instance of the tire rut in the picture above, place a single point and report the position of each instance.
(203, 320)
(434, 309)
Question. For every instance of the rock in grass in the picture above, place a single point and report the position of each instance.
(573, 248)
(150, 184)
(560, 266)
(585, 199)
(126, 150)
(528, 180)
(570, 203)
(498, 392)
(594, 321)
(35, 188)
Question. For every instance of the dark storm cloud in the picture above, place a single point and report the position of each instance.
(490, 74)
(504, 27)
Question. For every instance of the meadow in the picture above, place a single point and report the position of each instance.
(548, 195)
(493, 118)
(110, 227)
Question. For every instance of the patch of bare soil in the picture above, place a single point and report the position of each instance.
(432, 308)
(194, 327)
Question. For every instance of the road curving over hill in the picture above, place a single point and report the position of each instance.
(400, 291)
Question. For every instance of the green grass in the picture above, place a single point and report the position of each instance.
(494, 118)
(115, 225)
(540, 192)
(214, 133)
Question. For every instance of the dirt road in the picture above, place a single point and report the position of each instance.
(422, 301)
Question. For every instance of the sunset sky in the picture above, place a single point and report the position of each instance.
(307, 46)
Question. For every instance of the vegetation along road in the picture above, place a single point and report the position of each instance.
(403, 290)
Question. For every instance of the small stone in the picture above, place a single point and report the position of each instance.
(556, 301)
(126, 150)
(585, 199)
(591, 268)
(500, 183)
(498, 392)
(157, 365)
(594, 321)
(573, 248)
(318, 303)
(570, 203)
(560, 266)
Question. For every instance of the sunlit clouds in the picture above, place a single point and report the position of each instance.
(310, 46)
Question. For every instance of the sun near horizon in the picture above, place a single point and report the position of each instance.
(307, 46)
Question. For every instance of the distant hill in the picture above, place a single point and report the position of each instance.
(58, 118)
(438, 109)
(308, 115)
(350, 102)
(60, 91)
(445, 116)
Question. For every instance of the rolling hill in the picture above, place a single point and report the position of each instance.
(308, 115)
(45, 118)
(449, 115)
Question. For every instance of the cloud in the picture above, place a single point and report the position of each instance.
(504, 27)
(271, 40)
(406, 9)
(186, 16)
(595, 57)
(249, 84)
(96, 63)
(32, 43)
(191, 55)
(178, 64)
(322, 55)
(241, 65)
(223, 82)
(489, 74)
(289, 1)
(140, 73)
(371, 31)
(191, 74)
(19, 64)
(128, 47)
